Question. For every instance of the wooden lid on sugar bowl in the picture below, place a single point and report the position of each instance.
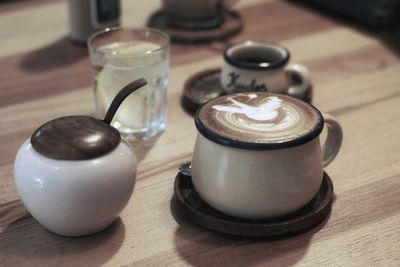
(75, 138)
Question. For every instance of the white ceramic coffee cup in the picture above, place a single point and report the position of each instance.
(193, 10)
(256, 180)
(262, 66)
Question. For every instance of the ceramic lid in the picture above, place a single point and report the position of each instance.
(75, 138)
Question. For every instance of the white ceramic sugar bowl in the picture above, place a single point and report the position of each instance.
(76, 174)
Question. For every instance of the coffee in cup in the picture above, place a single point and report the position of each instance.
(258, 155)
(262, 66)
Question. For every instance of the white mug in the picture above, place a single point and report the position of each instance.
(193, 10)
(262, 66)
(273, 175)
(195, 14)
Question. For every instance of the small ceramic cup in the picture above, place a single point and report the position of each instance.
(191, 9)
(258, 155)
(262, 66)
(195, 14)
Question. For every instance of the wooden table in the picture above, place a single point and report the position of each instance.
(356, 77)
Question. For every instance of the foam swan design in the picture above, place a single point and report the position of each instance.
(266, 110)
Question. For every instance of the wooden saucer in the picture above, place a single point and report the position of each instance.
(232, 24)
(205, 85)
(200, 88)
(193, 208)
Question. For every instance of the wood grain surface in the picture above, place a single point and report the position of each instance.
(356, 78)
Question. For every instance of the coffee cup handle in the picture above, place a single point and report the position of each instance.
(299, 78)
(333, 140)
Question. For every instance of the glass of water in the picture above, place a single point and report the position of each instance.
(120, 56)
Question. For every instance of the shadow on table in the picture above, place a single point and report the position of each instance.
(58, 54)
(142, 147)
(389, 36)
(26, 242)
(202, 247)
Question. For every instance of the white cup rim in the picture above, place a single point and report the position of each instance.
(215, 137)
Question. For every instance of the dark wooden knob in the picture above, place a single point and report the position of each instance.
(75, 138)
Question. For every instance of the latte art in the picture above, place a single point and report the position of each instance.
(264, 111)
(267, 116)
(259, 118)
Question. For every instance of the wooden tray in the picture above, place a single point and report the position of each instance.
(193, 208)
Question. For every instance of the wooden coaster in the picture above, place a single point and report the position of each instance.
(193, 208)
(200, 88)
(232, 24)
(205, 85)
